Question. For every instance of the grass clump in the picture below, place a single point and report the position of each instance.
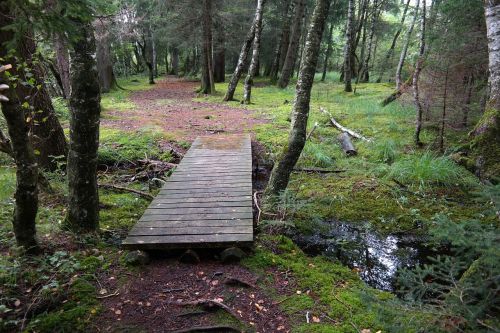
(425, 170)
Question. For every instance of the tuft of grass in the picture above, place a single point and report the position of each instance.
(387, 151)
(317, 155)
(425, 170)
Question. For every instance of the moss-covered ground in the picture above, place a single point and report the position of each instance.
(390, 184)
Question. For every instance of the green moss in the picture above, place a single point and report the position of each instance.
(327, 288)
(121, 210)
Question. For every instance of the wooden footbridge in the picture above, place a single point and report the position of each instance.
(207, 202)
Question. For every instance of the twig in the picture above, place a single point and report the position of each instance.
(256, 201)
(116, 293)
(342, 128)
(318, 170)
(172, 290)
(312, 130)
(307, 317)
(126, 189)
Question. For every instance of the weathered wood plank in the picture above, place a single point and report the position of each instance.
(208, 238)
(212, 204)
(224, 190)
(159, 231)
(198, 210)
(214, 216)
(194, 223)
(236, 195)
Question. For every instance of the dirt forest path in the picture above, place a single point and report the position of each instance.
(170, 106)
(158, 297)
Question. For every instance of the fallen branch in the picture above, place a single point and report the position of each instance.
(397, 93)
(116, 293)
(318, 170)
(346, 144)
(208, 329)
(126, 189)
(342, 128)
(312, 130)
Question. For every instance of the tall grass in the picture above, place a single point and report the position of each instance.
(427, 169)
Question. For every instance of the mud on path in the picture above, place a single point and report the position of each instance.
(169, 106)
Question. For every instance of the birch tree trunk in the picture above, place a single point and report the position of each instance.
(486, 134)
(328, 52)
(416, 76)
(282, 43)
(347, 48)
(252, 71)
(291, 54)
(404, 51)
(242, 59)
(26, 195)
(390, 52)
(83, 197)
(280, 175)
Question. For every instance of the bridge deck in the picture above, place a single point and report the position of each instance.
(207, 202)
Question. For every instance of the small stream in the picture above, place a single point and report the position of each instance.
(376, 257)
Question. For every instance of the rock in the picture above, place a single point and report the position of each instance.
(189, 257)
(137, 258)
(231, 254)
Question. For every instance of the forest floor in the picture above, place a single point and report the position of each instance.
(390, 189)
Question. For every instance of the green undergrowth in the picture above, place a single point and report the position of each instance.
(330, 292)
(390, 184)
(119, 99)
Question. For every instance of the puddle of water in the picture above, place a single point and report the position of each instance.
(376, 257)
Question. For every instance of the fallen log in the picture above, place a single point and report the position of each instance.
(341, 128)
(317, 170)
(126, 189)
(346, 144)
(397, 93)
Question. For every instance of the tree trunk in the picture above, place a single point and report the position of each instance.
(292, 51)
(347, 48)
(300, 113)
(365, 75)
(242, 59)
(103, 53)
(404, 51)
(26, 195)
(467, 100)
(328, 52)
(253, 70)
(416, 76)
(219, 52)
(62, 62)
(174, 69)
(486, 134)
(207, 78)
(280, 47)
(390, 52)
(83, 197)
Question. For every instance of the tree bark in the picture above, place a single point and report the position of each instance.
(281, 47)
(390, 52)
(486, 134)
(347, 48)
(280, 175)
(404, 51)
(328, 52)
(242, 59)
(291, 54)
(174, 69)
(103, 54)
(207, 75)
(62, 62)
(416, 76)
(365, 74)
(253, 70)
(219, 52)
(26, 195)
(467, 100)
(83, 196)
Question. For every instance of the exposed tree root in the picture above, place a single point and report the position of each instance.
(208, 304)
(218, 328)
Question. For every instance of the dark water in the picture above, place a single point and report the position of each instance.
(376, 257)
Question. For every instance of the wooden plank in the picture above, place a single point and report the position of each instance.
(195, 223)
(214, 216)
(220, 190)
(210, 200)
(208, 238)
(203, 195)
(200, 177)
(206, 183)
(213, 204)
(198, 210)
(141, 231)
